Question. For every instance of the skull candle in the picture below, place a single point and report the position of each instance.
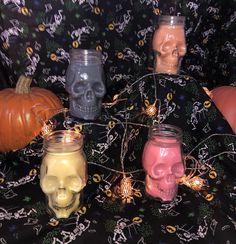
(163, 162)
(85, 83)
(63, 172)
(169, 44)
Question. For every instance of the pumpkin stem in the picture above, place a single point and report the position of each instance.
(23, 84)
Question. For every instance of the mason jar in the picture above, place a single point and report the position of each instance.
(169, 44)
(85, 83)
(162, 161)
(63, 172)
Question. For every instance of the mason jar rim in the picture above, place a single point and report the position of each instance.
(78, 52)
(165, 130)
(63, 140)
(170, 20)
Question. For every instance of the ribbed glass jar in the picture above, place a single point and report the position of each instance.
(169, 44)
(85, 83)
(163, 161)
(63, 172)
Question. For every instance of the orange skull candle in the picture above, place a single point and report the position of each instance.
(169, 44)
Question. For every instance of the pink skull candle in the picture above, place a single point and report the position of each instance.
(163, 162)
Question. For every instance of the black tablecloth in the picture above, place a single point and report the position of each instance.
(118, 135)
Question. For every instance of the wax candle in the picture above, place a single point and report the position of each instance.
(85, 83)
(169, 44)
(163, 162)
(63, 172)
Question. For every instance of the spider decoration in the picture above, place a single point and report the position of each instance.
(196, 183)
(191, 180)
(125, 191)
(150, 109)
(47, 128)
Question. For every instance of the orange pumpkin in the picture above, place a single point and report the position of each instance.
(224, 98)
(22, 113)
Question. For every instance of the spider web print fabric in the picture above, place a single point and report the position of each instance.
(119, 134)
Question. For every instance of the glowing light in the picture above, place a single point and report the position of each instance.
(126, 190)
(47, 128)
(151, 110)
(196, 183)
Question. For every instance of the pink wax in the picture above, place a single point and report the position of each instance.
(162, 161)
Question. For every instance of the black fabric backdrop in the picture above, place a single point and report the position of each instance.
(35, 40)
(207, 216)
(36, 36)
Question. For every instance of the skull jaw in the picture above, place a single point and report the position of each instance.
(84, 110)
(164, 194)
(167, 65)
(62, 212)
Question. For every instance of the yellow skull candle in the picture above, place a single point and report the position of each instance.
(63, 172)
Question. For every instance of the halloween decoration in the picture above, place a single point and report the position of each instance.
(23, 111)
(163, 161)
(169, 44)
(224, 98)
(85, 84)
(63, 172)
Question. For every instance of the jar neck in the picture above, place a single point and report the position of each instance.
(63, 141)
(166, 132)
(86, 56)
(168, 20)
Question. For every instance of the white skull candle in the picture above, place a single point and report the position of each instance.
(163, 162)
(63, 172)
(85, 83)
(169, 44)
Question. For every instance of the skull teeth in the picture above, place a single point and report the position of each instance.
(167, 192)
(171, 65)
(87, 109)
(66, 207)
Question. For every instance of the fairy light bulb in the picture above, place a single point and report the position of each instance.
(47, 129)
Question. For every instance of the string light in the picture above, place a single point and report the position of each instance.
(126, 191)
(150, 109)
(196, 183)
(191, 180)
(125, 188)
(47, 128)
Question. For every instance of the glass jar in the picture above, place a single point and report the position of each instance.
(163, 161)
(85, 83)
(63, 172)
(168, 44)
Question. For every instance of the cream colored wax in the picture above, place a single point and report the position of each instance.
(63, 176)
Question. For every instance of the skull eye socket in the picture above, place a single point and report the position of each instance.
(182, 48)
(73, 183)
(98, 89)
(50, 184)
(159, 171)
(178, 170)
(78, 88)
(167, 46)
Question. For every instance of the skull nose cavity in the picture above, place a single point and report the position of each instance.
(170, 178)
(62, 196)
(89, 95)
(175, 51)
